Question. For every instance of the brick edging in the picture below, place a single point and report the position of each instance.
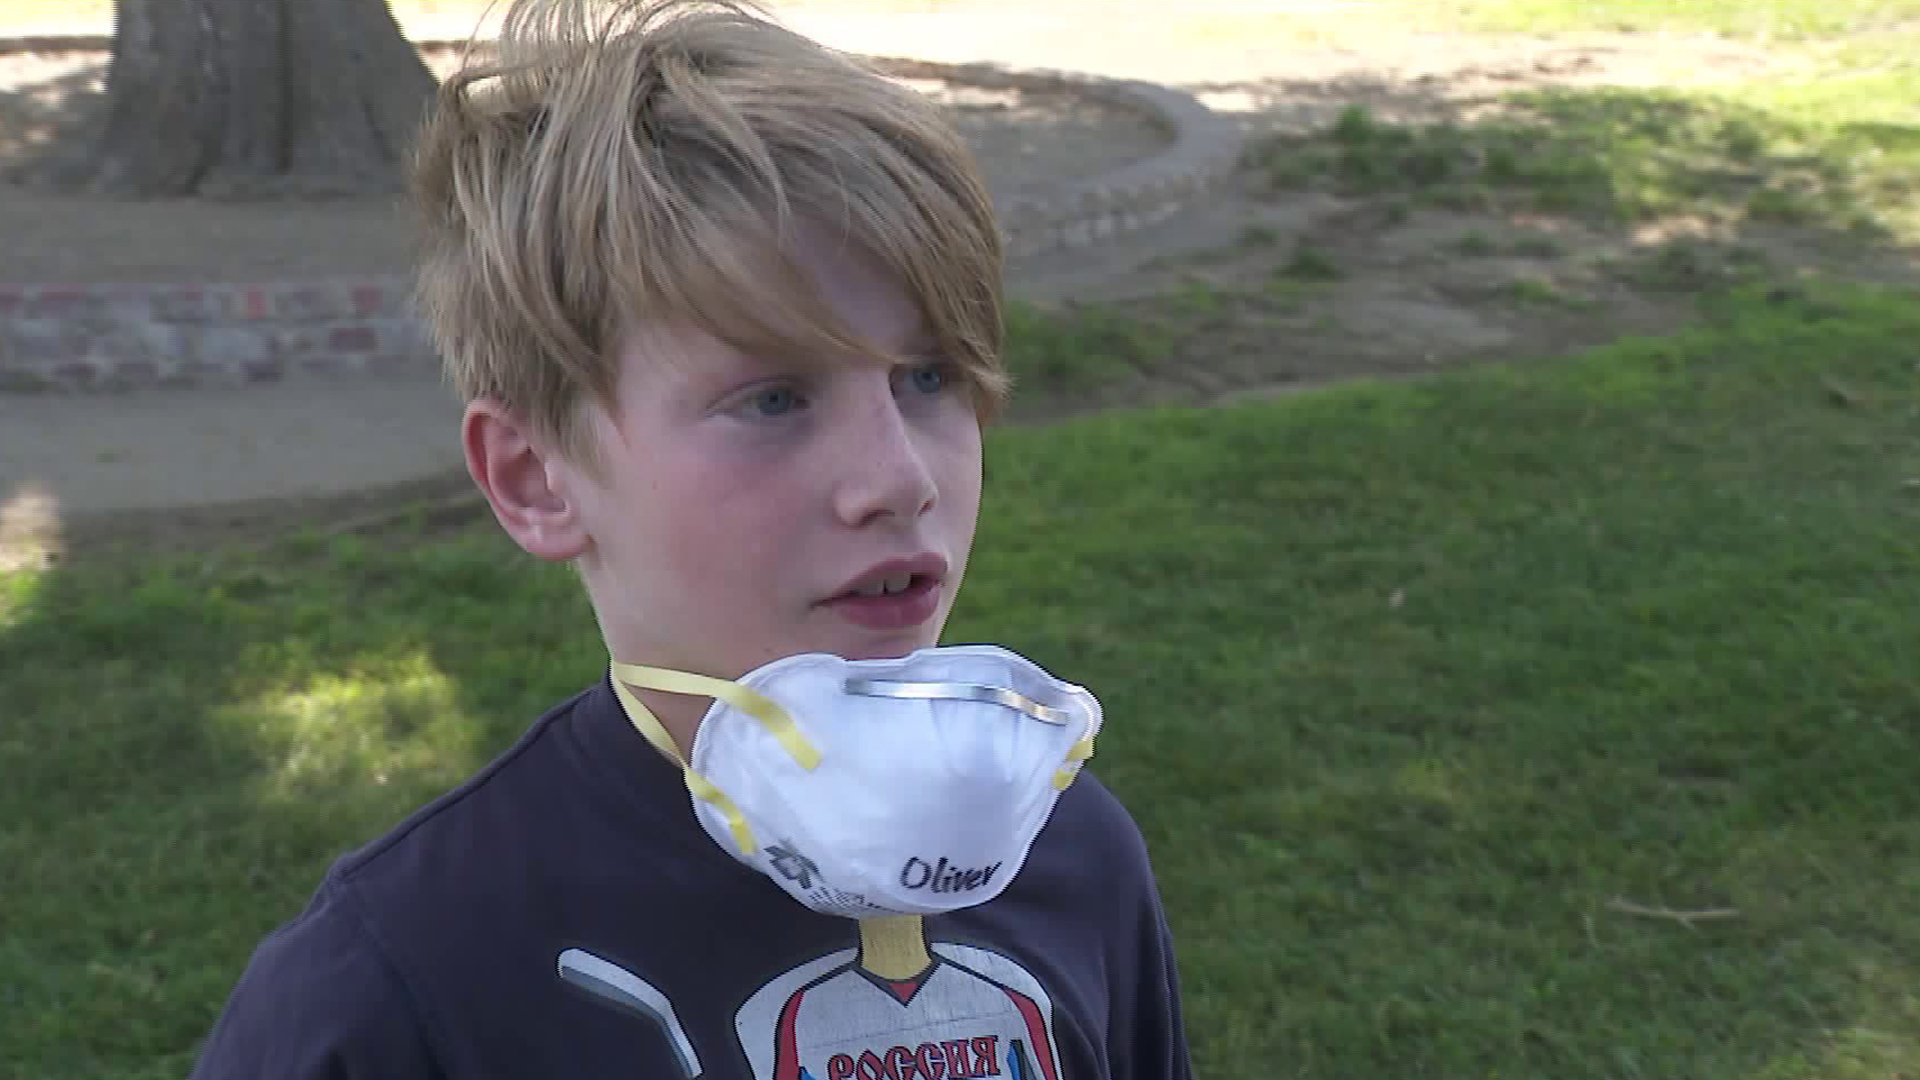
(119, 337)
(15, 44)
(1203, 149)
(63, 337)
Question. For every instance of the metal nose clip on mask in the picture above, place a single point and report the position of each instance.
(867, 788)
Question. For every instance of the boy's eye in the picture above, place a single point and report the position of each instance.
(929, 378)
(774, 401)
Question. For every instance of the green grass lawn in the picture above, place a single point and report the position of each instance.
(1834, 149)
(1409, 685)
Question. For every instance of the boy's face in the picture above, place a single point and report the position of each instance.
(745, 501)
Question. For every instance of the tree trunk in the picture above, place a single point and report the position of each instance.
(252, 99)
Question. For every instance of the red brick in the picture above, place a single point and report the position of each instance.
(189, 304)
(353, 339)
(12, 381)
(10, 300)
(57, 302)
(76, 374)
(369, 300)
(129, 375)
(390, 361)
(256, 303)
(189, 373)
(308, 303)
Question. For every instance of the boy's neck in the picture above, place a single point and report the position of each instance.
(679, 714)
(668, 722)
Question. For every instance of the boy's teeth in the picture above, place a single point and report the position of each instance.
(886, 587)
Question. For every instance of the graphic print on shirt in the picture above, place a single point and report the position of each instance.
(901, 1008)
(631, 994)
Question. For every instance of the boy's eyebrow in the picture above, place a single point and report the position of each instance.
(923, 346)
(917, 351)
(920, 345)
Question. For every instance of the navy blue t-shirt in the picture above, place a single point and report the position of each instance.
(563, 914)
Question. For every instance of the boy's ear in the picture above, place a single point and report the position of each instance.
(522, 482)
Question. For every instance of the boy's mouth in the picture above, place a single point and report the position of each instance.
(891, 586)
(896, 577)
(895, 595)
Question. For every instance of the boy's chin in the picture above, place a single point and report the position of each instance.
(890, 647)
(879, 652)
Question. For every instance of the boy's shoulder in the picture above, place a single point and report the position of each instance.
(451, 891)
(540, 802)
(1092, 855)
(285, 1015)
(519, 777)
(575, 786)
(463, 833)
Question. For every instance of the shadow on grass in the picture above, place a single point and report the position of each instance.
(1620, 156)
(1407, 226)
(1384, 225)
(190, 741)
(1607, 155)
(49, 124)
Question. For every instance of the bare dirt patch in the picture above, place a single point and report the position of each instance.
(1025, 140)
(1276, 286)
(1292, 292)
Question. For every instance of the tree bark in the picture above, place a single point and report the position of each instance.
(254, 99)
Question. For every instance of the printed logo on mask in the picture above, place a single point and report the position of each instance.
(790, 863)
(941, 878)
(793, 866)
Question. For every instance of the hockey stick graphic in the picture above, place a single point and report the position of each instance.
(614, 984)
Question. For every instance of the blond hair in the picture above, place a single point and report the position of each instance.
(623, 161)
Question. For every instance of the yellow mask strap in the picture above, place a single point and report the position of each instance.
(775, 719)
(655, 732)
(1076, 756)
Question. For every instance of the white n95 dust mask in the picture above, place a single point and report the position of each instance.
(870, 788)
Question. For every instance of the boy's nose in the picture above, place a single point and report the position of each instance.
(886, 472)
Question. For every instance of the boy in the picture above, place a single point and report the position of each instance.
(725, 307)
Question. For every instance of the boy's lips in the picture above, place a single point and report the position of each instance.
(891, 611)
(894, 595)
(924, 565)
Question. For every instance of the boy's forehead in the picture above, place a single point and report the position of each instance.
(874, 301)
(809, 292)
(684, 351)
